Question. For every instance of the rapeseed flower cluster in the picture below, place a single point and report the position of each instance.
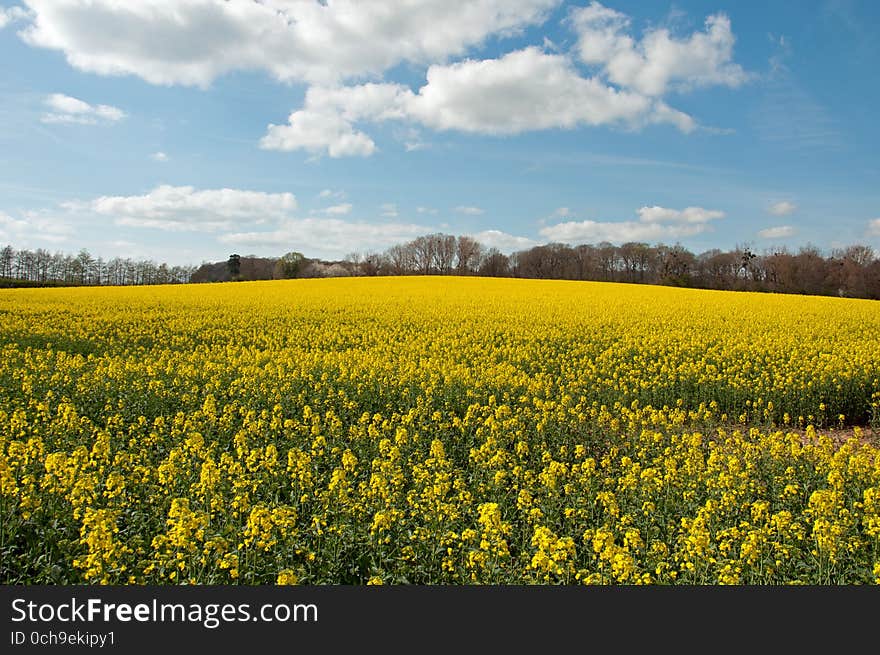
(437, 430)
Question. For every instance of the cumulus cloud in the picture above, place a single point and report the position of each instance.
(331, 236)
(10, 14)
(316, 132)
(524, 90)
(67, 109)
(778, 232)
(293, 40)
(874, 227)
(338, 210)
(470, 211)
(615, 232)
(658, 61)
(389, 210)
(413, 146)
(411, 137)
(159, 156)
(184, 208)
(654, 224)
(34, 227)
(688, 215)
(326, 121)
(503, 241)
(331, 44)
(783, 208)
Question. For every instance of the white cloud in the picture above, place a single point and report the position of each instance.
(503, 241)
(326, 121)
(330, 193)
(11, 14)
(470, 211)
(34, 227)
(338, 210)
(688, 215)
(327, 44)
(328, 236)
(67, 109)
(411, 138)
(68, 105)
(654, 224)
(426, 210)
(389, 210)
(185, 208)
(293, 40)
(9, 225)
(615, 232)
(778, 232)
(525, 90)
(874, 227)
(316, 132)
(658, 61)
(159, 156)
(783, 208)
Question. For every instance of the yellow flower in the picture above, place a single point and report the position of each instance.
(286, 577)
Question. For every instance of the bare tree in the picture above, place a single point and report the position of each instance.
(7, 256)
(586, 262)
(676, 264)
(494, 264)
(371, 264)
(401, 259)
(718, 269)
(848, 269)
(468, 252)
(608, 261)
(423, 254)
(42, 260)
(443, 251)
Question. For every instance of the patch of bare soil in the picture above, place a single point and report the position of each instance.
(839, 436)
(866, 435)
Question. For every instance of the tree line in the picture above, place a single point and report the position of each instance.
(853, 271)
(43, 268)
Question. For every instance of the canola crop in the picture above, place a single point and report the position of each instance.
(437, 430)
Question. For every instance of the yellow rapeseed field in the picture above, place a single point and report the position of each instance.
(437, 430)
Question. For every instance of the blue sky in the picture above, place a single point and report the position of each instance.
(183, 131)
